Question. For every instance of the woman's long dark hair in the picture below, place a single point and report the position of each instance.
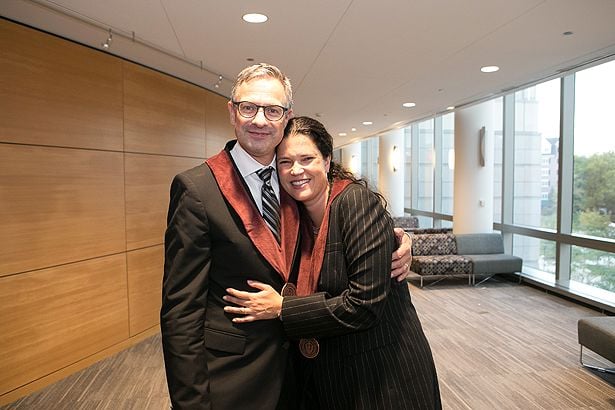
(324, 142)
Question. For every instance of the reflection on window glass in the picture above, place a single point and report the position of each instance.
(498, 151)
(426, 165)
(369, 161)
(425, 221)
(594, 152)
(536, 155)
(448, 162)
(593, 267)
(538, 255)
(408, 168)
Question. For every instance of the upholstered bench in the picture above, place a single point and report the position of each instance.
(446, 254)
(486, 251)
(436, 254)
(598, 335)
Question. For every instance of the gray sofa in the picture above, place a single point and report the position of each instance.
(598, 335)
(446, 254)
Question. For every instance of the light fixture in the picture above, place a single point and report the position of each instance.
(108, 42)
(342, 134)
(367, 123)
(254, 18)
(567, 33)
(489, 69)
(450, 107)
(353, 129)
(395, 158)
(217, 84)
(408, 105)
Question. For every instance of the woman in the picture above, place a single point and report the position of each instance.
(363, 343)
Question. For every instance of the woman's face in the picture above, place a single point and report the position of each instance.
(302, 169)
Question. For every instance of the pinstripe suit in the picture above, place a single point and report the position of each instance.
(373, 353)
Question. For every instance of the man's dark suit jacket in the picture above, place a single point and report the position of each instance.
(216, 239)
(373, 353)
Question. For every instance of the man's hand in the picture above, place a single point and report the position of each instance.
(402, 257)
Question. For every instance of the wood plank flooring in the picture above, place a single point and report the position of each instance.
(497, 346)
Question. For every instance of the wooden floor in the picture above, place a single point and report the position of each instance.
(497, 346)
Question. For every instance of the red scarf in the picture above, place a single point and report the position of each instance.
(313, 251)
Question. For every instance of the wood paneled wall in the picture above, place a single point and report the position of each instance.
(89, 144)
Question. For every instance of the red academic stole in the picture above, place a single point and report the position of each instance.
(313, 252)
(233, 190)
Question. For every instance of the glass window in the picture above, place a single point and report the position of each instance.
(448, 162)
(369, 161)
(593, 267)
(594, 152)
(408, 167)
(498, 152)
(426, 165)
(536, 150)
(538, 256)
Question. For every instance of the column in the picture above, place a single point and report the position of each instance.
(473, 198)
(351, 158)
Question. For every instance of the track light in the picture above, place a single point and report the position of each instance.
(217, 85)
(108, 42)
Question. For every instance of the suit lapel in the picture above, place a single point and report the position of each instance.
(313, 252)
(233, 189)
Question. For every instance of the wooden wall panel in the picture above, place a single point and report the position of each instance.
(145, 269)
(217, 123)
(54, 317)
(59, 205)
(162, 115)
(148, 179)
(53, 92)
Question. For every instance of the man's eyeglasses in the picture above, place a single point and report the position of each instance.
(249, 110)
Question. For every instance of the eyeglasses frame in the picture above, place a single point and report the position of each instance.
(258, 107)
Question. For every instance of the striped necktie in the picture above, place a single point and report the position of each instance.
(271, 207)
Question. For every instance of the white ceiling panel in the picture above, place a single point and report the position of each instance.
(350, 60)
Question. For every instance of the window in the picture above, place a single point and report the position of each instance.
(536, 142)
(594, 268)
(369, 161)
(447, 153)
(498, 152)
(538, 256)
(426, 166)
(594, 152)
(408, 167)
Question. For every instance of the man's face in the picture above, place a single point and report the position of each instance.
(258, 135)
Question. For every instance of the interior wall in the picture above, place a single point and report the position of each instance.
(89, 144)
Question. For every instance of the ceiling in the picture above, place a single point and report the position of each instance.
(349, 60)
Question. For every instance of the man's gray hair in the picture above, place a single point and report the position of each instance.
(263, 70)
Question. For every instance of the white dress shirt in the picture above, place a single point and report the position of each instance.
(247, 168)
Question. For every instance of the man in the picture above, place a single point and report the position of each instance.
(216, 239)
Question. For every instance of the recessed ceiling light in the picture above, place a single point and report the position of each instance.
(451, 107)
(342, 134)
(489, 69)
(254, 18)
(353, 129)
(408, 104)
(567, 33)
(367, 123)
